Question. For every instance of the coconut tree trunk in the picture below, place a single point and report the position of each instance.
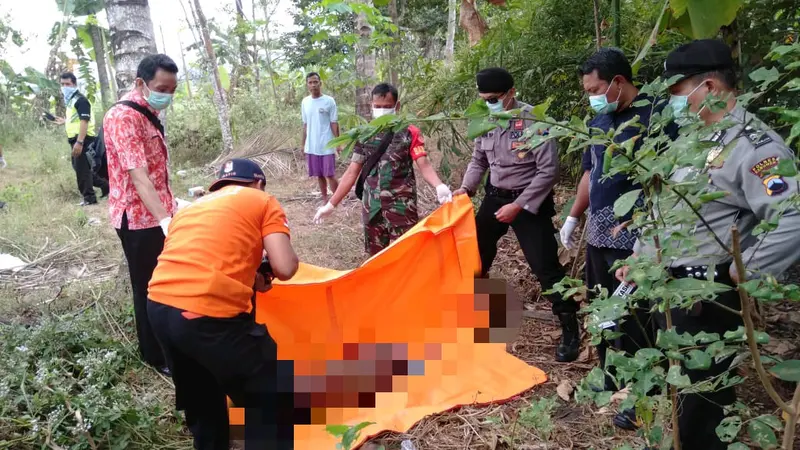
(100, 59)
(365, 67)
(219, 92)
(132, 38)
(450, 46)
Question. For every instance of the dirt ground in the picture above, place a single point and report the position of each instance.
(339, 244)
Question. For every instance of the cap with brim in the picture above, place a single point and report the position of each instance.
(697, 57)
(241, 170)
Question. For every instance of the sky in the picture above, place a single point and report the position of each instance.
(35, 19)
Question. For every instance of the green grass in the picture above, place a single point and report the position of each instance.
(70, 375)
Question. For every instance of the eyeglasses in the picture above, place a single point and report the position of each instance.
(494, 100)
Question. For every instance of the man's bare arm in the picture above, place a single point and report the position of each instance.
(281, 254)
(147, 192)
(427, 171)
(346, 183)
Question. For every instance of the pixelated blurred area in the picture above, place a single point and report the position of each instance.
(505, 311)
(391, 350)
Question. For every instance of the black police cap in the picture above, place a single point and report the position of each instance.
(494, 79)
(696, 57)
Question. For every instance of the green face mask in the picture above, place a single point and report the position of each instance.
(680, 104)
(159, 100)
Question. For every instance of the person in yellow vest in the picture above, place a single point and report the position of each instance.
(81, 134)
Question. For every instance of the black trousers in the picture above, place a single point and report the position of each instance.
(536, 236)
(638, 328)
(212, 358)
(701, 413)
(87, 180)
(142, 248)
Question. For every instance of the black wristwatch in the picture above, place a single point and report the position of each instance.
(79, 142)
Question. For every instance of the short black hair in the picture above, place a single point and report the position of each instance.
(313, 74)
(70, 76)
(150, 64)
(727, 76)
(494, 79)
(609, 62)
(383, 89)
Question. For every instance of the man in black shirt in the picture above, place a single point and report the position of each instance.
(79, 124)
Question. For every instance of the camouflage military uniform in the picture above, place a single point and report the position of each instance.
(390, 189)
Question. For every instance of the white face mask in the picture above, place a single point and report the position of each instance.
(377, 112)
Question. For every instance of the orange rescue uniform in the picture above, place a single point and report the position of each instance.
(209, 261)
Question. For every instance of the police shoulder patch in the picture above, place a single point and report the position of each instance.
(756, 137)
(762, 167)
(775, 185)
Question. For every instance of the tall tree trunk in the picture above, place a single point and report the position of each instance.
(100, 60)
(267, 44)
(393, 56)
(111, 75)
(472, 22)
(617, 23)
(185, 71)
(244, 52)
(132, 38)
(219, 92)
(191, 23)
(242, 65)
(597, 33)
(450, 47)
(365, 67)
(256, 65)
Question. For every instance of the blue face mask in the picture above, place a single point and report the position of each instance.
(680, 105)
(68, 92)
(496, 107)
(600, 104)
(159, 100)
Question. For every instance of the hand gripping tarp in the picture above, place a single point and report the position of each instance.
(402, 324)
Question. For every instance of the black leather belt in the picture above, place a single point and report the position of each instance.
(503, 193)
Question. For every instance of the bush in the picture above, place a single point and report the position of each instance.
(65, 382)
(194, 134)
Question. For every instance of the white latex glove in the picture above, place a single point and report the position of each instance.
(443, 194)
(182, 203)
(323, 212)
(165, 225)
(3, 163)
(567, 230)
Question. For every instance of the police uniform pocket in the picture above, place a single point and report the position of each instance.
(487, 144)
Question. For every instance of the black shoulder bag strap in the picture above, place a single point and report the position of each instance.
(146, 112)
(370, 164)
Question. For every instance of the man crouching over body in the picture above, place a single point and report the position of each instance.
(201, 307)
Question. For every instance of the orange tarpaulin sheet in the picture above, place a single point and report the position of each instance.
(402, 324)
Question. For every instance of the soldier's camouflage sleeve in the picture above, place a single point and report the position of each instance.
(476, 168)
(763, 191)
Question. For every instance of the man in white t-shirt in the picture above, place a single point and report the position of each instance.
(320, 125)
